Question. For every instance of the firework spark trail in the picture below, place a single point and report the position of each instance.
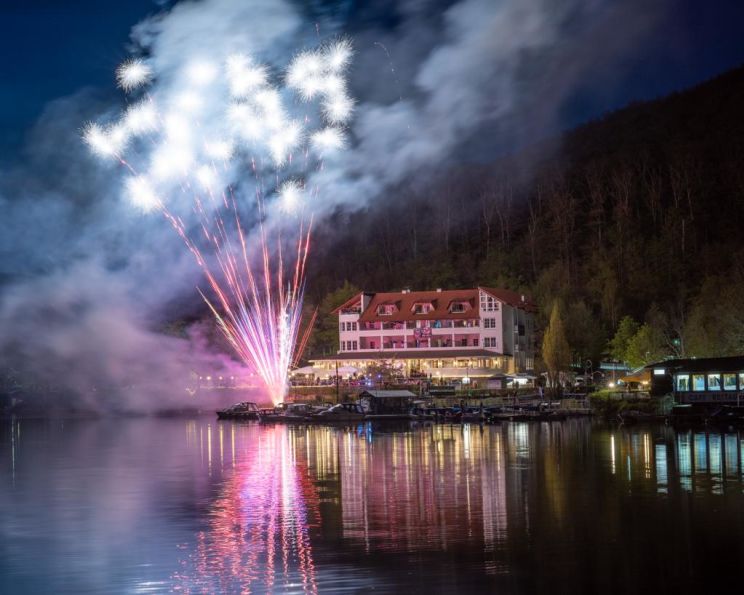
(172, 144)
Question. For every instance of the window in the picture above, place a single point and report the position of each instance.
(343, 345)
(422, 308)
(353, 326)
(354, 346)
(741, 380)
(489, 342)
(729, 382)
(489, 323)
(488, 303)
(385, 310)
(714, 382)
(698, 382)
(475, 342)
(457, 307)
(683, 383)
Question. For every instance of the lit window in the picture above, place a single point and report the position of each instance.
(729, 382)
(741, 380)
(714, 382)
(683, 383)
(698, 382)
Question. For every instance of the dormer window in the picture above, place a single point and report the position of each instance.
(458, 307)
(386, 309)
(422, 307)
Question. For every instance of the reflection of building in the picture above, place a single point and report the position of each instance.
(442, 333)
(424, 490)
(705, 380)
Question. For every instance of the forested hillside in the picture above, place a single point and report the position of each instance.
(637, 215)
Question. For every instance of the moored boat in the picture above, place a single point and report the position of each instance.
(244, 410)
(294, 413)
(341, 413)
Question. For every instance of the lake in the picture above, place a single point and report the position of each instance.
(198, 506)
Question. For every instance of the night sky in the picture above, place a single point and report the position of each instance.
(53, 49)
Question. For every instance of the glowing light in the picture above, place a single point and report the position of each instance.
(141, 118)
(133, 74)
(283, 142)
(328, 140)
(338, 109)
(244, 77)
(206, 177)
(338, 55)
(141, 193)
(290, 195)
(171, 161)
(303, 73)
(104, 142)
(219, 149)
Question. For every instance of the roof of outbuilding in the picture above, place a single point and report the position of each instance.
(383, 394)
(733, 363)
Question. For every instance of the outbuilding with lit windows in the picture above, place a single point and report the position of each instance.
(704, 380)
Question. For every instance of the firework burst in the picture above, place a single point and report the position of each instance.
(190, 147)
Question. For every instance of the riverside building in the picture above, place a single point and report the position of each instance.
(443, 334)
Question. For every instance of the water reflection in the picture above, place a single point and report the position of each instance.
(200, 506)
(698, 461)
(257, 529)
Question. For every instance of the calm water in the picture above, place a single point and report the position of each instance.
(154, 505)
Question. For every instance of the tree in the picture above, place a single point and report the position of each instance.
(618, 345)
(646, 346)
(584, 332)
(556, 352)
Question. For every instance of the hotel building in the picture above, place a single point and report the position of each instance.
(444, 334)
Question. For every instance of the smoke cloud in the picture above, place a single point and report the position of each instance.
(85, 281)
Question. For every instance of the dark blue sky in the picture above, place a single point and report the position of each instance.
(52, 48)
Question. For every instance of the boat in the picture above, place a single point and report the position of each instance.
(244, 410)
(294, 413)
(341, 413)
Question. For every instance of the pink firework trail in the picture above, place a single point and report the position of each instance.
(259, 311)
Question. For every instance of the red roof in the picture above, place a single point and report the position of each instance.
(441, 302)
(517, 300)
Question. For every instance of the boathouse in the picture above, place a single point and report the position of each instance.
(386, 402)
(710, 380)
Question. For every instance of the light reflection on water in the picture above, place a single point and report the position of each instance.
(156, 505)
